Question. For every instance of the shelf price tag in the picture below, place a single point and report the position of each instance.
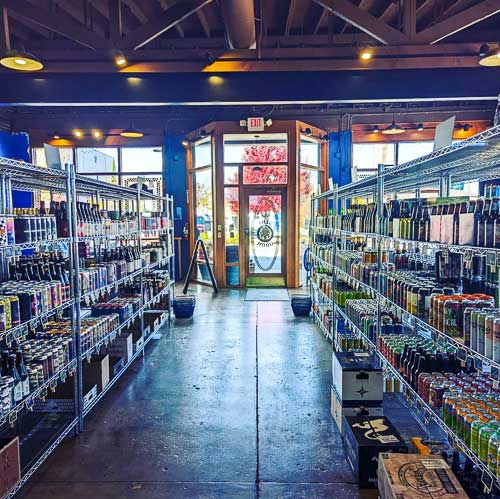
(43, 393)
(89, 355)
(53, 385)
(9, 338)
(62, 376)
(29, 403)
(491, 259)
(12, 417)
(486, 368)
(33, 324)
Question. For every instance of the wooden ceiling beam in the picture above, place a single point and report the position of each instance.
(364, 21)
(115, 20)
(203, 22)
(62, 24)
(390, 12)
(321, 20)
(455, 8)
(289, 17)
(4, 30)
(410, 18)
(166, 4)
(459, 22)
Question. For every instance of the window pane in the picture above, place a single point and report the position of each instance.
(309, 185)
(204, 210)
(102, 160)
(38, 156)
(250, 148)
(309, 152)
(231, 175)
(265, 174)
(202, 152)
(142, 159)
(367, 157)
(112, 179)
(231, 223)
(408, 151)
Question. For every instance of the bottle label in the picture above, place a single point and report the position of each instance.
(26, 387)
(18, 392)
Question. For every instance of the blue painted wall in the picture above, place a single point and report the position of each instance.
(16, 146)
(339, 160)
(175, 175)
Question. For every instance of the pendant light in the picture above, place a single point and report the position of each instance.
(491, 58)
(131, 133)
(20, 60)
(393, 128)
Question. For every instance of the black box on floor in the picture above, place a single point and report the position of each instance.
(364, 438)
(116, 364)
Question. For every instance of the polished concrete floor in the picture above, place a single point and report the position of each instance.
(231, 404)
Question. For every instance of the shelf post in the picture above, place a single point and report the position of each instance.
(380, 230)
(74, 273)
(334, 274)
(139, 246)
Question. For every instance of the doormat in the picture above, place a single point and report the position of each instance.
(265, 282)
(260, 294)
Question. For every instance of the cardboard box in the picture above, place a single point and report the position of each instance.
(338, 412)
(116, 364)
(357, 378)
(122, 347)
(365, 437)
(415, 476)
(96, 372)
(10, 464)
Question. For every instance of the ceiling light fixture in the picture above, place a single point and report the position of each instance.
(120, 59)
(366, 55)
(308, 132)
(97, 134)
(56, 136)
(78, 133)
(491, 58)
(484, 49)
(467, 127)
(131, 133)
(203, 133)
(185, 143)
(420, 127)
(393, 129)
(376, 129)
(21, 61)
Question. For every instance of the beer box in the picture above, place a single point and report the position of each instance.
(96, 372)
(365, 437)
(357, 378)
(338, 412)
(122, 347)
(415, 476)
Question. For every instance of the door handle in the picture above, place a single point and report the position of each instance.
(247, 232)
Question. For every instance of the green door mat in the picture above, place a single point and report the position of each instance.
(257, 294)
(265, 282)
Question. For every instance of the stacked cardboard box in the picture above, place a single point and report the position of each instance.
(415, 476)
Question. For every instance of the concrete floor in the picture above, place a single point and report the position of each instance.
(231, 404)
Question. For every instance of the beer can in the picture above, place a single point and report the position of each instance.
(481, 324)
(451, 318)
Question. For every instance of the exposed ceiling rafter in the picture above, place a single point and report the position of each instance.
(459, 22)
(62, 23)
(364, 21)
(4, 30)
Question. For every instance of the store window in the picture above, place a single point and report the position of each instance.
(204, 218)
(141, 160)
(202, 153)
(256, 148)
(310, 151)
(231, 175)
(265, 174)
(38, 156)
(408, 151)
(232, 234)
(367, 156)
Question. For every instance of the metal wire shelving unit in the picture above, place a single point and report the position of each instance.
(473, 159)
(18, 175)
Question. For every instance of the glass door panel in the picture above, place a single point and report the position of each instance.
(265, 250)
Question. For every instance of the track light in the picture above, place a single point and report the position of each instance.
(484, 49)
(131, 133)
(185, 143)
(393, 129)
(376, 129)
(308, 132)
(120, 59)
(326, 138)
(203, 133)
(269, 122)
(366, 55)
(420, 127)
(466, 127)
(491, 58)
(21, 61)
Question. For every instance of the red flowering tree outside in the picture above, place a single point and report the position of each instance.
(265, 153)
(265, 204)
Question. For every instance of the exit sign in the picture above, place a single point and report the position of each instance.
(255, 124)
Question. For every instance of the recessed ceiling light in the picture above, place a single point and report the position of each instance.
(21, 61)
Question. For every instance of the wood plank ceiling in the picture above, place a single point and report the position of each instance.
(194, 35)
